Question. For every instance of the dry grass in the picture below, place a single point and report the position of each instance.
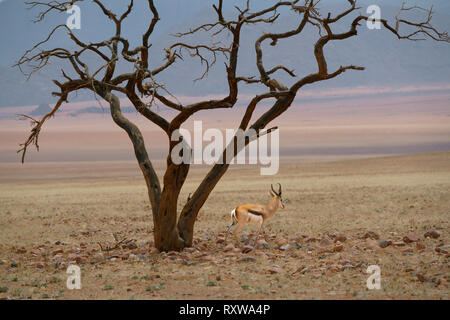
(391, 196)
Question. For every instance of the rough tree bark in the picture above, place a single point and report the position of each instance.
(171, 232)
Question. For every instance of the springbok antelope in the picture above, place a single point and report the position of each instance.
(255, 213)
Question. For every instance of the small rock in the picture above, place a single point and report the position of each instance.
(301, 270)
(132, 245)
(133, 257)
(98, 257)
(275, 269)
(247, 249)
(440, 250)
(371, 244)
(285, 246)
(76, 250)
(410, 238)
(325, 242)
(263, 244)
(57, 258)
(154, 250)
(340, 238)
(398, 243)
(57, 251)
(371, 235)
(347, 266)
(432, 234)
(281, 242)
(421, 277)
(408, 250)
(14, 265)
(420, 246)
(228, 247)
(40, 265)
(143, 244)
(383, 243)
(246, 259)
(338, 248)
(21, 250)
(35, 252)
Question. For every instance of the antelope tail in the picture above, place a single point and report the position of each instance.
(234, 220)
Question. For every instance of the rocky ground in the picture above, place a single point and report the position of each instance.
(341, 218)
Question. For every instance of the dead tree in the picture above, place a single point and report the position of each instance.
(173, 231)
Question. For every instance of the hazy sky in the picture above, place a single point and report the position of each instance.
(387, 60)
(18, 31)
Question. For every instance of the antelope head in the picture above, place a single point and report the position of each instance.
(277, 196)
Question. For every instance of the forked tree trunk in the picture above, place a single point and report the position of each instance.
(166, 234)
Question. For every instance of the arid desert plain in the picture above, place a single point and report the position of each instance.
(345, 211)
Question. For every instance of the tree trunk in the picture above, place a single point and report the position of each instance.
(166, 233)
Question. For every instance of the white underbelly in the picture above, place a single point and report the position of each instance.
(253, 218)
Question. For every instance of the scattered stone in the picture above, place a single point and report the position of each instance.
(371, 244)
(410, 238)
(263, 243)
(35, 252)
(284, 247)
(432, 234)
(421, 277)
(347, 266)
(371, 235)
(57, 258)
(398, 243)
(131, 245)
(40, 265)
(440, 250)
(383, 243)
(21, 250)
(275, 269)
(408, 250)
(143, 244)
(338, 248)
(301, 270)
(133, 257)
(98, 257)
(14, 265)
(154, 250)
(246, 259)
(340, 238)
(325, 250)
(420, 246)
(229, 247)
(247, 249)
(281, 242)
(57, 251)
(325, 242)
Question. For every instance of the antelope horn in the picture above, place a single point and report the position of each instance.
(279, 189)
(271, 186)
